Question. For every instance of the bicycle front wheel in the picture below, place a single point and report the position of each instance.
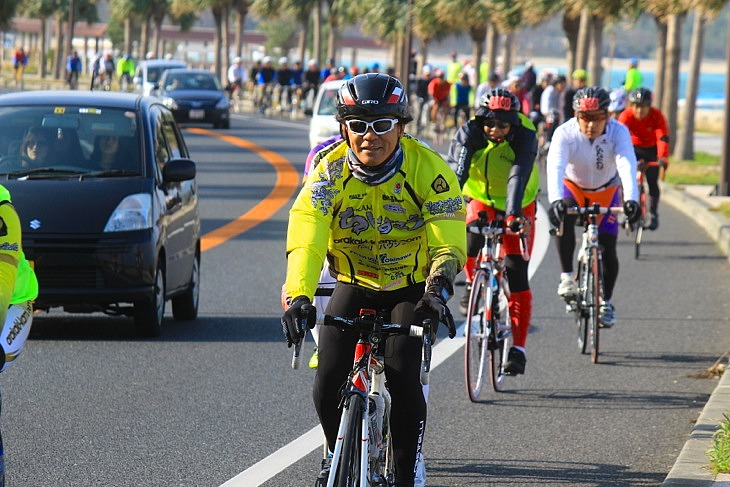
(582, 310)
(500, 341)
(595, 295)
(348, 471)
(478, 315)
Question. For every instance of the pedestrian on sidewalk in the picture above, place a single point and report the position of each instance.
(20, 61)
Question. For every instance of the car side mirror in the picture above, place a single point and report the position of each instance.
(308, 112)
(178, 170)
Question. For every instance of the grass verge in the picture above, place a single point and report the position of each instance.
(704, 169)
(719, 453)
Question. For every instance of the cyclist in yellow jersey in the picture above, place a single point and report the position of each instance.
(387, 213)
(18, 289)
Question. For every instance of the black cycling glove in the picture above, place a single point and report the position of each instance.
(556, 214)
(632, 212)
(433, 306)
(300, 309)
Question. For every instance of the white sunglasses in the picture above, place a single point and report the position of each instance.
(380, 126)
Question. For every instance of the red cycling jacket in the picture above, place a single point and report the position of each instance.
(649, 132)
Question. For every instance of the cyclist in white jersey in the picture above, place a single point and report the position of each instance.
(591, 160)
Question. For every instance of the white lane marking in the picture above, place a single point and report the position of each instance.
(291, 453)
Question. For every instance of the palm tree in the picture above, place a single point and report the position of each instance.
(703, 12)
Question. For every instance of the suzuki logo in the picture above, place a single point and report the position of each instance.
(35, 224)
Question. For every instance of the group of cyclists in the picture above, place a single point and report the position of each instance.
(387, 216)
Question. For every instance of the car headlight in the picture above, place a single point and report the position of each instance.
(133, 213)
(169, 103)
(222, 104)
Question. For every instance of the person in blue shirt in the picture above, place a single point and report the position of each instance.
(463, 92)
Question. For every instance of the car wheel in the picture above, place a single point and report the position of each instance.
(226, 124)
(148, 314)
(216, 125)
(185, 305)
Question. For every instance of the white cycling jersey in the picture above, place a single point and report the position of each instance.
(591, 165)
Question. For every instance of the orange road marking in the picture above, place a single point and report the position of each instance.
(287, 181)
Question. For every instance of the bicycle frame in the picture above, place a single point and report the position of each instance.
(365, 379)
(488, 325)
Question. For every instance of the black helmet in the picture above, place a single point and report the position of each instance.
(372, 95)
(591, 98)
(501, 104)
(640, 96)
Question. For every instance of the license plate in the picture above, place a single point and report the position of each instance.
(196, 114)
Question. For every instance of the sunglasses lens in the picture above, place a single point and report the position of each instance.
(357, 126)
(496, 123)
(382, 126)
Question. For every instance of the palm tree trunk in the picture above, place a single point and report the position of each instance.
(222, 65)
(218, 40)
(661, 59)
(571, 28)
(303, 35)
(724, 187)
(596, 50)
(684, 149)
(59, 46)
(128, 35)
(144, 41)
(317, 34)
(507, 52)
(584, 32)
(44, 43)
(671, 81)
(492, 46)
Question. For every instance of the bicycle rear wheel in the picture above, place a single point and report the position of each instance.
(478, 315)
(581, 309)
(641, 222)
(500, 341)
(348, 471)
(594, 291)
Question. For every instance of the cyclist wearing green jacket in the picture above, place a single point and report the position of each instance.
(633, 76)
(18, 289)
(493, 156)
(387, 213)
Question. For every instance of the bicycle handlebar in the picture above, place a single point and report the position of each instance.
(495, 228)
(594, 209)
(366, 323)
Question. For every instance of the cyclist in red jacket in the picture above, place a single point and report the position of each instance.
(650, 137)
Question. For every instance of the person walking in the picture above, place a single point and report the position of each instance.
(73, 69)
(20, 61)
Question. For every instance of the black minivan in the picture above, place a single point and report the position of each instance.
(108, 202)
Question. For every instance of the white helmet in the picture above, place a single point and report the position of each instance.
(266, 59)
(283, 60)
(237, 59)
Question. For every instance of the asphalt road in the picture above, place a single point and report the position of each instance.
(87, 404)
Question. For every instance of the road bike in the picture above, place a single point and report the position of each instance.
(363, 453)
(585, 306)
(488, 327)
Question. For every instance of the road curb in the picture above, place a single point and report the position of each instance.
(691, 466)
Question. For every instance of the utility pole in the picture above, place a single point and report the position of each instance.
(724, 186)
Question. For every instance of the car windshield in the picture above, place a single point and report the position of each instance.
(327, 105)
(55, 141)
(192, 81)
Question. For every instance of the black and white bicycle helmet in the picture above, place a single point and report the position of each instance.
(590, 99)
(640, 96)
(372, 95)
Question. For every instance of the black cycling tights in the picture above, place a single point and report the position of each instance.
(517, 275)
(652, 180)
(402, 370)
(566, 248)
